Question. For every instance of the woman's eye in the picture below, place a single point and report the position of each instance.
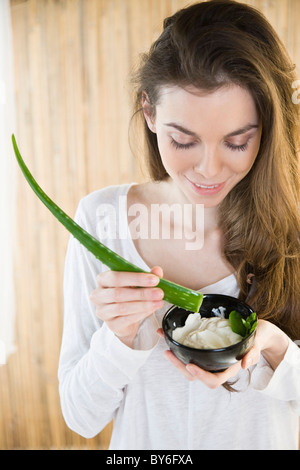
(179, 146)
(239, 148)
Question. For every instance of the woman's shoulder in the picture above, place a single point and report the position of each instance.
(149, 192)
(108, 194)
(117, 197)
(103, 199)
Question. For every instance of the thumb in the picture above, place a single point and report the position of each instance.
(252, 357)
(157, 270)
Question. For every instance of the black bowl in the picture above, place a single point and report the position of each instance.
(214, 360)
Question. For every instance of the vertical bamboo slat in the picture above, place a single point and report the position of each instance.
(72, 63)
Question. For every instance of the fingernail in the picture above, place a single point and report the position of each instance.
(152, 280)
(157, 294)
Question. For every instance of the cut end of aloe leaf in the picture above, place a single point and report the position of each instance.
(174, 293)
(181, 296)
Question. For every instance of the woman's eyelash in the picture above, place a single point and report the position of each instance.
(181, 146)
(240, 148)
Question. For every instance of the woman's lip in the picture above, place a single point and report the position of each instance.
(201, 188)
(206, 186)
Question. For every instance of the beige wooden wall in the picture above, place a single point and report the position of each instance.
(72, 62)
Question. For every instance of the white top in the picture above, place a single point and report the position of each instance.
(152, 404)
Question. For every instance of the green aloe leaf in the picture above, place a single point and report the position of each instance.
(241, 326)
(174, 293)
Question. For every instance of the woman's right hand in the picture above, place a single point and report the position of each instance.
(123, 299)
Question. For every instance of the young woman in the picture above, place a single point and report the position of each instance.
(215, 95)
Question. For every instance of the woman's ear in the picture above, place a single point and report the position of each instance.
(148, 112)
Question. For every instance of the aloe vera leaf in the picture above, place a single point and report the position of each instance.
(173, 293)
(241, 326)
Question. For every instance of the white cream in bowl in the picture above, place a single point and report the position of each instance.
(206, 333)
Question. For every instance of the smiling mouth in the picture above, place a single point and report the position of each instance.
(212, 186)
(206, 189)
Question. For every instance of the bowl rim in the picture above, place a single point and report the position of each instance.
(189, 348)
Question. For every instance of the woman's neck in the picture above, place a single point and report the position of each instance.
(173, 194)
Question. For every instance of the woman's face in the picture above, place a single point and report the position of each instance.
(207, 142)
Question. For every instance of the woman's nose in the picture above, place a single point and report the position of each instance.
(209, 163)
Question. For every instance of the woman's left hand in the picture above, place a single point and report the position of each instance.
(269, 340)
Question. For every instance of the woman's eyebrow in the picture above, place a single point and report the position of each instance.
(243, 130)
(240, 131)
(181, 129)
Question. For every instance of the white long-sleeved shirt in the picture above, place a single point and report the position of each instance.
(153, 406)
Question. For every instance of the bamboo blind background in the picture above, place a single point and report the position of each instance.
(72, 63)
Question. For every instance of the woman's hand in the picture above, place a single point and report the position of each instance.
(123, 299)
(269, 341)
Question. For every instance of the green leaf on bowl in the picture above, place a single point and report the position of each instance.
(241, 326)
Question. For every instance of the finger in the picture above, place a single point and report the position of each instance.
(160, 332)
(178, 364)
(157, 270)
(140, 309)
(128, 279)
(213, 380)
(252, 357)
(120, 324)
(110, 295)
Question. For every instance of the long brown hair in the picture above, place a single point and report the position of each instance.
(208, 45)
